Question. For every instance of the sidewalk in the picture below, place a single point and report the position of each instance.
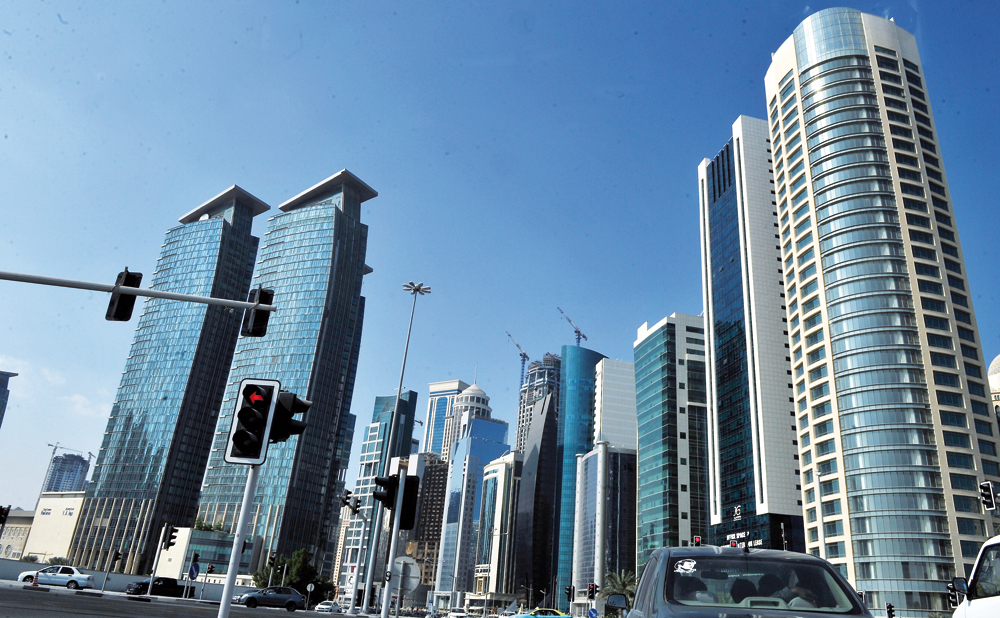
(90, 592)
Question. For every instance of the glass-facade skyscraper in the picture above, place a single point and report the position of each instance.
(753, 475)
(575, 437)
(440, 405)
(152, 460)
(66, 473)
(314, 259)
(672, 454)
(542, 379)
(894, 422)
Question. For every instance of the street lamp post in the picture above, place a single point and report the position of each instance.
(415, 289)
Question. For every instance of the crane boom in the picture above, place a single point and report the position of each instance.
(576, 329)
(524, 356)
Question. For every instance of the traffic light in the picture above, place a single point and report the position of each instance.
(252, 421)
(120, 306)
(408, 514)
(255, 321)
(195, 557)
(952, 596)
(116, 557)
(986, 494)
(386, 495)
(284, 426)
(4, 512)
(270, 559)
(597, 590)
(210, 569)
(569, 593)
(890, 611)
(345, 498)
(697, 541)
(169, 536)
(590, 592)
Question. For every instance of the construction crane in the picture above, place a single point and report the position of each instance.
(524, 357)
(57, 446)
(576, 328)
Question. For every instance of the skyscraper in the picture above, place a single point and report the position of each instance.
(542, 379)
(151, 463)
(424, 542)
(493, 586)
(576, 437)
(753, 472)
(357, 542)
(66, 473)
(672, 491)
(614, 404)
(5, 376)
(471, 403)
(440, 406)
(891, 404)
(314, 260)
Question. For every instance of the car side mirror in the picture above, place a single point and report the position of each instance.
(617, 601)
(960, 585)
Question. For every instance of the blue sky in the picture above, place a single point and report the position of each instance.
(527, 156)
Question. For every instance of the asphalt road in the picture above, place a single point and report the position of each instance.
(20, 603)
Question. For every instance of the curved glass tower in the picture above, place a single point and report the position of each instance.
(894, 426)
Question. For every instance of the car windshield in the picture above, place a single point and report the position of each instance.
(756, 582)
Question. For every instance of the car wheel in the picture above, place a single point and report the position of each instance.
(251, 603)
(290, 606)
(28, 579)
(72, 585)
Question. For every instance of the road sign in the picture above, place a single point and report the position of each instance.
(195, 569)
(593, 612)
(409, 573)
(311, 587)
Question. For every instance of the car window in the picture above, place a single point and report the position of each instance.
(643, 589)
(271, 591)
(756, 582)
(66, 571)
(986, 582)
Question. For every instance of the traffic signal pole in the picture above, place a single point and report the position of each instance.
(159, 550)
(241, 530)
(116, 289)
(390, 560)
(353, 608)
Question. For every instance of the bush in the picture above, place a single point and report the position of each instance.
(31, 558)
(55, 560)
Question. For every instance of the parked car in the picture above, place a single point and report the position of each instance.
(68, 576)
(161, 586)
(328, 607)
(703, 582)
(982, 590)
(541, 611)
(275, 596)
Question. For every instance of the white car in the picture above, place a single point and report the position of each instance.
(982, 590)
(68, 576)
(328, 607)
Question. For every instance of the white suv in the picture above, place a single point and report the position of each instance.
(982, 591)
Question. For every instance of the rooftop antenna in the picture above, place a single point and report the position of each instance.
(576, 328)
(524, 357)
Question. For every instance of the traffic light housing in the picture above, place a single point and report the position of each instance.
(254, 320)
(116, 557)
(121, 305)
(952, 596)
(345, 498)
(408, 512)
(252, 421)
(210, 569)
(697, 541)
(270, 559)
(169, 537)
(987, 496)
(195, 557)
(4, 512)
(284, 426)
(591, 591)
(386, 495)
(569, 593)
(890, 611)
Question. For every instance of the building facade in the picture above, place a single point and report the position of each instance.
(469, 404)
(754, 476)
(541, 380)
(152, 460)
(891, 403)
(314, 260)
(576, 436)
(493, 582)
(66, 473)
(440, 405)
(15, 533)
(481, 441)
(57, 515)
(614, 404)
(423, 543)
(672, 450)
(5, 377)
(374, 456)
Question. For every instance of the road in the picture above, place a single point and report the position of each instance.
(21, 603)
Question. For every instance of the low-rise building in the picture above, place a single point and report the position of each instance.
(55, 521)
(15, 533)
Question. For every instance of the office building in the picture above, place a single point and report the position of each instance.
(604, 537)
(576, 437)
(672, 453)
(66, 473)
(994, 378)
(754, 482)
(440, 405)
(56, 517)
(469, 404)
(152, 460)
(423, 543)
(541, 380)
(314, 260)
(537, 506)
(481, 440)
(346, 516)
(614, 404)
(374, 455)
(493, 581)
(15, 533)
(895, 429)
(5, 377)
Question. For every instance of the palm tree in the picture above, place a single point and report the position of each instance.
(620, 583)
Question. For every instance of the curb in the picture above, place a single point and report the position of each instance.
(142, 599)
(38, 588)
(90, 594)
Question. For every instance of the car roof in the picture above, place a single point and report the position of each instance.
(734, 552)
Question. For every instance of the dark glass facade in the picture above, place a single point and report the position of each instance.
(313, 259)
(576, 436)
(152, 460)
(5, 376)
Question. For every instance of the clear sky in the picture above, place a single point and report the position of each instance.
(527, 155)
